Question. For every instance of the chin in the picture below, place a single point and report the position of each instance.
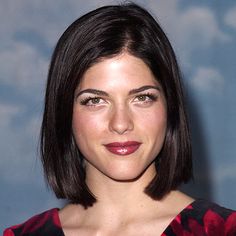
(126, 176)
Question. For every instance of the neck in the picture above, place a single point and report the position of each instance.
(120, 195)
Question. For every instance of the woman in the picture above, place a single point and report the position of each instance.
(115, 139)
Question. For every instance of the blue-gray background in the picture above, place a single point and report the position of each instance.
(203, 34)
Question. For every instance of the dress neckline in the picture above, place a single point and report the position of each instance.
(175, 219)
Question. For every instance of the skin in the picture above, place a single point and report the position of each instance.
(130, 106)
(119, 116)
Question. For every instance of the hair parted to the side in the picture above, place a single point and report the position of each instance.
(107, 32)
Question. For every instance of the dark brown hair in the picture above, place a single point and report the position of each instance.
(107, 32)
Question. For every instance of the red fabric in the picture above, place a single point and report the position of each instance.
(201, 218)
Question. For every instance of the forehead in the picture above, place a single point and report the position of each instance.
(118, 71)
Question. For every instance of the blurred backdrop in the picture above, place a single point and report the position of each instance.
(203, 34)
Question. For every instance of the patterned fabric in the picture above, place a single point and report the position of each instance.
(47, 223)
(201, 218)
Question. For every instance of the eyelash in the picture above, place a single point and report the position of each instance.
(86, 100)
(151, 96)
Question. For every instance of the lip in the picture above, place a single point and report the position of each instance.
(123, 148)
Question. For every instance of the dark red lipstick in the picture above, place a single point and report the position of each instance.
(123, 148)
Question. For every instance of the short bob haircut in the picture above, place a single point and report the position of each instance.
(104, 33)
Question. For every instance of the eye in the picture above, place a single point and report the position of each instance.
(142, 98)
(92, 101)
(145, 98)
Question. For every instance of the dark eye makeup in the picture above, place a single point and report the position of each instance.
(90, 100)
(143, 97)
(147, 97)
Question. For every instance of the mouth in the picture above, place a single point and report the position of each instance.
(123, 148)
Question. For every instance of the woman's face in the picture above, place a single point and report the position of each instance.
(119, 118)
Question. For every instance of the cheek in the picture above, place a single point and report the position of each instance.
(154, 131)
(154, 122)
(86, 126)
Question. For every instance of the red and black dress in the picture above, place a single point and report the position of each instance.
(201, 218)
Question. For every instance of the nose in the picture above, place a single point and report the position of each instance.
(121, 120)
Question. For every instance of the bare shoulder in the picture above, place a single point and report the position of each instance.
(175, 203)
(72, 218)
(166, 210)
(70, 215)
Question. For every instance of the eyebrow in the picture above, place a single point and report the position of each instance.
(131, 92)
(93, 91)
(143, 88)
